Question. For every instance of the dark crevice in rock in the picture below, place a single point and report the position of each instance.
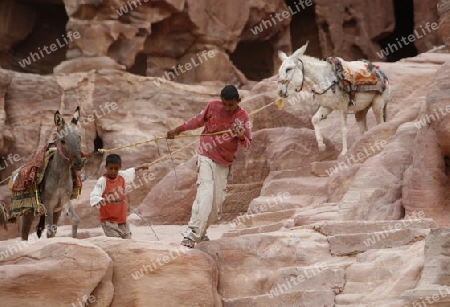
(254, 59)
(49, 29)
(393, 44)
(303, 27)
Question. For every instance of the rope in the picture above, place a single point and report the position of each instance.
(166, 156)
(4, 180)
(160, 138)
(174, 169)
(278, 102)
(131, 145)
(142, 218)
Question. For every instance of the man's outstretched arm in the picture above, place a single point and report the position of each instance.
(195, 122)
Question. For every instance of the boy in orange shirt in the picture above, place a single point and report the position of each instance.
(109, 196)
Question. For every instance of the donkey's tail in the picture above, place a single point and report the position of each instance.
(386, 95)
(40, 226)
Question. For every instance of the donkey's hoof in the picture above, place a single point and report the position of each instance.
(322, 147)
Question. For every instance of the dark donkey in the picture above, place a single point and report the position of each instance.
(58, 180)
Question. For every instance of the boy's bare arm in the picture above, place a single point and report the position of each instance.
(172, 133)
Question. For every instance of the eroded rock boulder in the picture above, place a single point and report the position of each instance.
(53, 272)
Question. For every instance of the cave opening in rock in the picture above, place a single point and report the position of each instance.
(396, 46)
(98, 143)
(46, 44)
(254, 59)
(402, 212)
(140, 65)
(303, 27)
(447, 165)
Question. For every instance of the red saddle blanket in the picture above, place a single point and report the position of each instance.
(358, 76)
(30, 174)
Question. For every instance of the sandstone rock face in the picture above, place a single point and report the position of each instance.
(169, 204)
(425, 11)
(371, 230)
(349, 27)
(160, 274)
(444, 24)
(433, 284)
(104, 114)
(431, 142)
(120, 273)
(250, 172)
(108, 118)
(296, 267)
(183, 40)
(190, 41)
(22, 27)
(6, 137)
(33, 270)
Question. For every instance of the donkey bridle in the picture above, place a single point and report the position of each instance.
(58, 147)
(288, 81)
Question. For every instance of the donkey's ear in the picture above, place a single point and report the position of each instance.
(300, 51)
(59, 120)
(282, 56)
(76, 116)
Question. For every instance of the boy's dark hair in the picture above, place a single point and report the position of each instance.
(229, 92)
(113, 159)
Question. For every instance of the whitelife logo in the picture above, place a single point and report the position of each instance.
(53, 47)
(265, 24)
(406, 40)
(168, 76)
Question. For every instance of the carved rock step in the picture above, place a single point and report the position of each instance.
(323, 168)
(253, 264)
(292, 299)
(351, 244)
(285, 193)
(260, 219)
(353, 237)
(378, 277)
(261, 223)
(361, 298)
(331, 228)
(433, 287)
(432, 295)
(259, 229)
(290, 201)
(316, 213)
(307, 185)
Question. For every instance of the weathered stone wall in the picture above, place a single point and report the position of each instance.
(192, 41)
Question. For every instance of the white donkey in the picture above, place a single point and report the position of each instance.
(298, 70)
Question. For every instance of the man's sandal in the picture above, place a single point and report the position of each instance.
(188, 243)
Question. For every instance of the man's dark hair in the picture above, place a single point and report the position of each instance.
(113, 159)
(229, 92)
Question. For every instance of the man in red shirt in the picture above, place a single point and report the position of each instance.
(215, 156)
